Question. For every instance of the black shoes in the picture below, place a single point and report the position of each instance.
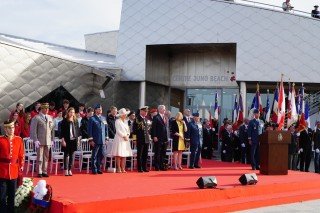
(145, 170)
(45, 175)
(39, 175)
(99, 172)
(191, 167)
(198, 167)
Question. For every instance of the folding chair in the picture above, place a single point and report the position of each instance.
(30, 155)
(86, 153)
(56, 155)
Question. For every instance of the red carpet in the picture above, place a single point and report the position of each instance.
(176, 191)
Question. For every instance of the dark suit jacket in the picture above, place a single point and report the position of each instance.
(243, 134)
(316, 139)
(65, 133)
(159, 129)
(208, 135)
(227, 141)
(140, 129)
(111, 126)
(305, 140)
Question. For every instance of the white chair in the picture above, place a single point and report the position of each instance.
(108, 157)
(169, 152)
(86, 153)
(186, 155)
(30, 155)
(133, 158)
(150, 154)
(56, 155)
(76, 156)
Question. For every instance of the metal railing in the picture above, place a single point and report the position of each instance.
(314, 102)
(268, 6)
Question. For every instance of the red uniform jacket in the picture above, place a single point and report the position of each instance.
(11, 157)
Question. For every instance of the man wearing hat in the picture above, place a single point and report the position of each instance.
(98, 133)
(141, 129)
(196, 137)
(315, 13)
(254, 129)
(42, 133)
(11, 162)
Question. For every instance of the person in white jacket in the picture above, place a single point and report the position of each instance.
(121, 145)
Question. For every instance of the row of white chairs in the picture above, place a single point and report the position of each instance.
(84, 153)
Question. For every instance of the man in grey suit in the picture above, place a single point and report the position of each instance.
(42, 133)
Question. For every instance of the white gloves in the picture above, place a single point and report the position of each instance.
(300, 150)
(224, 151)
(317, 151)
(298, 134)
(37, 144)
(243, 145)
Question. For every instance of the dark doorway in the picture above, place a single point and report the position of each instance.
(57, 96)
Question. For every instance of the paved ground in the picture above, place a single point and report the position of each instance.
(306, 206)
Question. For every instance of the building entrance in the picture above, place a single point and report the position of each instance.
(203, 100)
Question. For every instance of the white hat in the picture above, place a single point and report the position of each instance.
(123, 111)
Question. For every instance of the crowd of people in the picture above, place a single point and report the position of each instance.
(140, 129)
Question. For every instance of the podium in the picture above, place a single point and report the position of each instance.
(274, 152)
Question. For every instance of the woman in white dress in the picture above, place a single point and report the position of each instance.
(121, 145)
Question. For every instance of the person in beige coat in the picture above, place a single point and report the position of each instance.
(42, 133)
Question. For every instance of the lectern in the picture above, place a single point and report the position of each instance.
(274, 152)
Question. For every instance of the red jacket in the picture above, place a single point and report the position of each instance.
(53, 113)
(25, 130)
(11, 157)
(17, 128)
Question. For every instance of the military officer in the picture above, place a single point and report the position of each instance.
(11, 162)
(141, 129)
(254, 130)
(42, 133)
(98, 133)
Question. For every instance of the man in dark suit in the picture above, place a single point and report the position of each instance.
(196, 137)
(160, 138)
(111, 119)
(227, 151)
(208, 134)
(141, 131)
(254, 128)
(305, 148)
(98, 133)
(244, 142)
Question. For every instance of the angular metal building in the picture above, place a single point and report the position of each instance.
(31, 69)
(180, 53)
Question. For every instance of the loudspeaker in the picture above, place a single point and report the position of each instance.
(207, 182)
(248, 179)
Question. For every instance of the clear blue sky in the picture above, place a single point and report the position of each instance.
(66, 21)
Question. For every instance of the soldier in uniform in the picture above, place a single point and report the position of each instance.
(141, 128)
(98, 133)
(11, 162)
(42, 133)
(254, 129)
(244, 142)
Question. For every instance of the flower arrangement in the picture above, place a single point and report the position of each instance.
(41, 199)
(23, 195)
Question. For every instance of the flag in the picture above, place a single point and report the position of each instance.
(274, 113)
(292, 109)
(306, 115)
(256, 103)
(235, 110)
(216, 107)
(281, 106)
(301, 108)
(240, 110)
(267, 110)
(210, 119)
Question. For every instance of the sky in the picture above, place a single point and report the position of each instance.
(66, 22)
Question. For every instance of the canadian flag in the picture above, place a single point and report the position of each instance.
(281, 106)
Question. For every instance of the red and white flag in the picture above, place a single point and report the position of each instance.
(281, 106)
(292, 109)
